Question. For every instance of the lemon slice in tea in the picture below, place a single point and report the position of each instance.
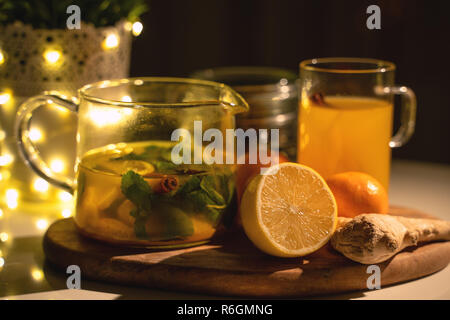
(122, 166)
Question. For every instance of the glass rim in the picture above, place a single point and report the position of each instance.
(380, 66)
(236, 72)
(138, 81)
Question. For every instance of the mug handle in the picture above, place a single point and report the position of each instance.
(408, 113)
(28, 150)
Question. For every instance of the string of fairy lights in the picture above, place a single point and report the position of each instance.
(51, 58)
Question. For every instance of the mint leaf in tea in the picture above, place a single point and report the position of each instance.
(134, 192)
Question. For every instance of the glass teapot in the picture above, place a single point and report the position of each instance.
(128, 189)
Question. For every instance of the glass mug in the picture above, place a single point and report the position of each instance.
(127, 188)
(346, 116)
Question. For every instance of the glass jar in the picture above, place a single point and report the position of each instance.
(272, 96)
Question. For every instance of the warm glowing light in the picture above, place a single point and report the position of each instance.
(5, 175)
(40, 185)
(66, 213)
(6, 159)
(111, 41)
(12, 204)
(63, 111)
(107, 117)
(65, 196)
(2, 262)
(4, 237)
(37, 274)
(35, 134)
(4, 97)
(127, 111)
(128, 26)
(57, 165)
(2, 58)
(137, 28)
(126, 99)
(52, 56)
(1, 213)
(2, 135)
(12, 195)
(41, 224)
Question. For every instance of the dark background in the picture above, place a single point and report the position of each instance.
(182, 36)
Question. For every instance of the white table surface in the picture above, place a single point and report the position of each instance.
(25, 275)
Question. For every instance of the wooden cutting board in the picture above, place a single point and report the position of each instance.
(234, 266)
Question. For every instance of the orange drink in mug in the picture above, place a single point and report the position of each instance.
(346, 116)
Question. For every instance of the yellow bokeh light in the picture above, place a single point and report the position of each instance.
(6, 159)
(40, 185)
(41, 224)
(35, 134)
(57, 165)
(5, 175)
(4, 97)
(37, 274)
(2, 262)
(137, 28)
(126, 99)
(12, 204)
(52, 56)
(128, 26)
(2, 135)
(2, 57)
(64, 196)
(66, 213)
(4, 237)
(111, 41)
(1, 213)
(12, 195)
(105, 117)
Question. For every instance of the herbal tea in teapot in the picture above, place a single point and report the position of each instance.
(131, 187)
(134, 192)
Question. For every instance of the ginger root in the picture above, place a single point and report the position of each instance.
(372, 238)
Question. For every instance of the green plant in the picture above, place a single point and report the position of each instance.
(51, 14)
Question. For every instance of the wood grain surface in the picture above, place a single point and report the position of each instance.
(234, 266)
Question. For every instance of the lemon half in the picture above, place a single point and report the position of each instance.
(289, 211)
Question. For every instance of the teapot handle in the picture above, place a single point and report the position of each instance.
(28, 150)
